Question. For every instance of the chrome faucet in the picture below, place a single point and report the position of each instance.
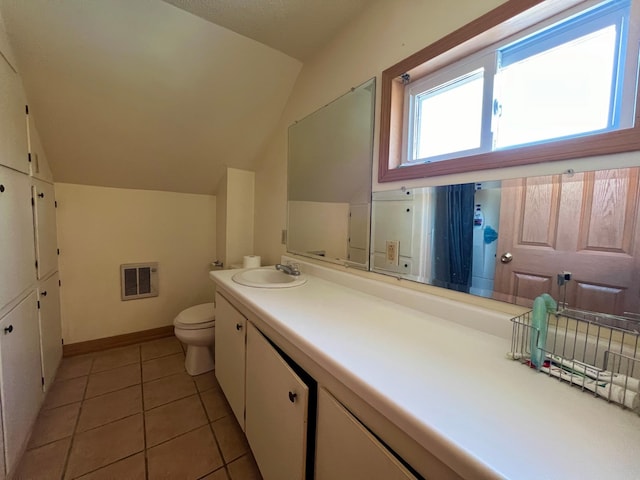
(291, 269)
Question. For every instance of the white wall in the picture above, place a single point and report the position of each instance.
(101, 228)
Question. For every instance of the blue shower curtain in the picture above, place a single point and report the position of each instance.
(453, 236)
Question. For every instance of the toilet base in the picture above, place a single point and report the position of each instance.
(199, 360)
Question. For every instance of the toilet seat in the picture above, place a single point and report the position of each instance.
(196, 317)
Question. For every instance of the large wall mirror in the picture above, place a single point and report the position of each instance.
(329, 180)
(510, 239)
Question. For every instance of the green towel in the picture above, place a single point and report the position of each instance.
(542, 306)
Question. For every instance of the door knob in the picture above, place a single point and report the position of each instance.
(506, 257)
(8, 329)
(292, 397)
(238, 326)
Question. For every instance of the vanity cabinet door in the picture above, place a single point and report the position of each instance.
(346, 449)
(230, 355)
(277, 411)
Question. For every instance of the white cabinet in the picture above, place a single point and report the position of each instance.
(230, 355)
(13, 124)
(50, 327)
(276, 411)
(21, 386)
(45, 228)
(39, 164)
(16, 235)
(346, 449)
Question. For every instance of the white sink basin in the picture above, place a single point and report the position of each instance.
(267, 278)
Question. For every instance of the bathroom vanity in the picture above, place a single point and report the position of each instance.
(348, 377)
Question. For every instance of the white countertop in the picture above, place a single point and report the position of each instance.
(448, 386)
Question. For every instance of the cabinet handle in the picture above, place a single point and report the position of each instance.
(41, 195)
(44, 294)
(292, 397)
(1, 188)
(238, 326)
(8, 329)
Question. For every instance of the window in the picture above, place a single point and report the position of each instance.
(557, 89)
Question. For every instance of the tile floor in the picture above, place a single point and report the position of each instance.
(134, 413)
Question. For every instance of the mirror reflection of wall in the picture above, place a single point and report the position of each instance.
(511, 239)
(329, 179)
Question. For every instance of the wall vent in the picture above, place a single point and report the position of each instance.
(138, 280)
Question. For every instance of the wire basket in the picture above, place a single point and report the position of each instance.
(596, 352)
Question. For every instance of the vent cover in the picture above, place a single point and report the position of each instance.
(138, 280)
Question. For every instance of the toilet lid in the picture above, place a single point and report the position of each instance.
(197, 314)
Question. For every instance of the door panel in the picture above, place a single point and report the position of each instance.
(590, 230)
(50, 328)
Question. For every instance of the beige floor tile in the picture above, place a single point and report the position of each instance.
(244, 468)
(109, 407)
(104, 445)
(112, 380)
(160, 348)
(163, 367)
(54, 424)
(167, 389)
(65, 392)
(207, 381)
(215, 404)
(220, 474)
(44, 463)
(131, 468)
(73, 367)
(116, 357)
(189, 456)
(173, 419)
(230, 437)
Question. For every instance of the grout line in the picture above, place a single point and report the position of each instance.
(144, 422)
(75, 427)
(215, 438)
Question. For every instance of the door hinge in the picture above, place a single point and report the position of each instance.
(32, 202)
(59, 283)
(62, 341)
(36, 263)
(58, 250)
(42, 381)
(55, 203)
(38, 304)
(26, 109)
(29, 157)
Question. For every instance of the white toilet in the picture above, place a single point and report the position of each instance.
(195, 327)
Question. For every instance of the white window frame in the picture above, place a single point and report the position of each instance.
(489, 58)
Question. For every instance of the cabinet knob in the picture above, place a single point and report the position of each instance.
(292, 397)
(44, 293)
(238, 326)
(8, 329)
(1, 188)
(41, 195)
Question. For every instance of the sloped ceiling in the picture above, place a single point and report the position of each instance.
(141, 94)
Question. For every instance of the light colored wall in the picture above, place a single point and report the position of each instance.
(383, 35)
(235, 216)
(240, 213)
(101, 228)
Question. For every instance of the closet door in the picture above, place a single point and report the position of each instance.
(16, 235)
(13, 120)
(50, 328)
(45, 226)
(21, 384)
